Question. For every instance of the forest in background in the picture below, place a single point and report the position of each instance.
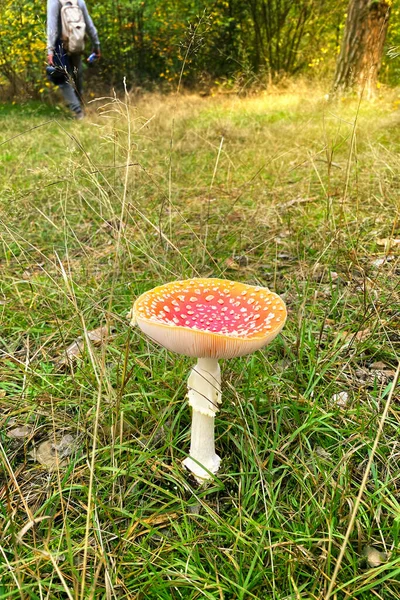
(195, 43)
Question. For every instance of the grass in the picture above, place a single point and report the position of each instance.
(281, 190)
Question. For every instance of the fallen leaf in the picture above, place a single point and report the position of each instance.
(322, 453)
(29, 525)
(362, 374)
(341, 399)
(141, 364)
(65, 446)
(321, 274)
(374, 557)
(295, 201)
(74, 351)
(378, 366)
(152, 521)
(369, 377)
(388, 242)
(360, 336)
(20, 432)
(282, 365)
(330, 322)
(241, 260)
(52, 454)
(379, 262)
(234, 217)
(194, 509)
(230, 264)
(46, 456)
(113, 226)
(381, 370)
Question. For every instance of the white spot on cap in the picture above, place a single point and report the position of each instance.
(209, 298)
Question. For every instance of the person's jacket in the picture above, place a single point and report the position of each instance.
(54, 24)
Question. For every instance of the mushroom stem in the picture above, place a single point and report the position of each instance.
(204, 394)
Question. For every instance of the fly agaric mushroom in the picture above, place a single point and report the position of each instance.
(208, 319)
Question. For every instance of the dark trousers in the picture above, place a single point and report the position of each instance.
(72, 89)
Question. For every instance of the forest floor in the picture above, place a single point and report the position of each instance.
(281, 190)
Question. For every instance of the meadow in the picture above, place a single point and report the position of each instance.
(281, 189)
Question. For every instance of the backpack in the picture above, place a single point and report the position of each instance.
(73, 26)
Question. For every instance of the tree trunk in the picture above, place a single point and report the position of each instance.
(360, 56)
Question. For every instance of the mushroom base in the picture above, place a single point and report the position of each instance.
(201, 474)
(204, 397)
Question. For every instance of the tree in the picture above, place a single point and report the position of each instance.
(286, 33)
(362, 46)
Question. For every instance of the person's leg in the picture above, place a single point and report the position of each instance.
(70, 64)
(71, 97)
(77, 73)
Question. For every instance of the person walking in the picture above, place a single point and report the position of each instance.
(67, 23)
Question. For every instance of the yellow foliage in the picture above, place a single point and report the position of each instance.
(23, 42)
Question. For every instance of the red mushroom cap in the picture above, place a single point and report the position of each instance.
(210, 318)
